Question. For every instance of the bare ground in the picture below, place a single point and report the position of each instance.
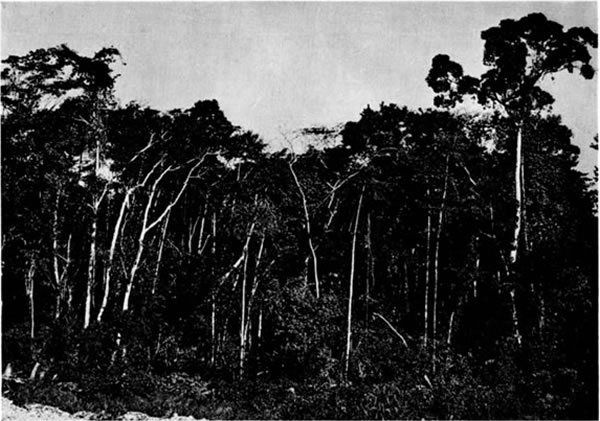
(36, 412)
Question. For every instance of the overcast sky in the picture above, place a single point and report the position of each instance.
(279, 66)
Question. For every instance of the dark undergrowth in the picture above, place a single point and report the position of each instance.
(406, 388)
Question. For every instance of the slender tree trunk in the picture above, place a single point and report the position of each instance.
(148, 226)
(511, 293)
(515, 316)
(91, 279)
(518, 212)
(370, 270)
(542, 321)
(427, 270)
(29, 289)
(243, 300)
(243, 318)
(524, 206)
(260, 319)
(393, 329)
(351, 289)
(91, 270)
(59, 275)
(308, 230)
(57, 279)
(406, 289)
(111, 253)
(255, 282)
(477, 264)
(213, 309)
(213, 330)
(436, 253)
(201, 242)
(517, 231)
(161, 245)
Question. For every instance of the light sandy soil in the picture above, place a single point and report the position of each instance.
(36, 412)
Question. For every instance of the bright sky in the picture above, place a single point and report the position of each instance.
(275, 67)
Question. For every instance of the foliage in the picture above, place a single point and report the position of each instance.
(195, 253)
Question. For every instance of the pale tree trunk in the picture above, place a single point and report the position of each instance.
(62, 282)
(118, 229)
(255, 283)
(427, 270)
(201, 242)
(243, 300)
(518, 191)
(511, 293)
(260, 318)
(308, 229)
(477, 264)
(542, 321)
(524, 206)
(392, 328)
(29, 289)
(191, 233)
(91, 278)
(161, 245)
(370, 270)
(213, 307)
(111, 254)
(57, 280)
(436, 253)
(406, 289)
(59, 275)
(515, 316)
(91, 275)
(213, 321)
(517, 231)
(148, 226)
(351, 289)
(450, 326)
(243, 318)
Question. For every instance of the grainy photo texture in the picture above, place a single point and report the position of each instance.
(299, 210)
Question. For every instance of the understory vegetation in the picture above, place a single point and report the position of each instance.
(410, 264)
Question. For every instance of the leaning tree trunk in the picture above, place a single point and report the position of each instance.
(119, 227)
(111, 254)
(436, 253)
(308, 230)
(148, 226)
(351, 289)
(163, 237)
(243, 335)
(427, 264)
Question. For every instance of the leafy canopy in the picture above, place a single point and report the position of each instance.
(519, 55)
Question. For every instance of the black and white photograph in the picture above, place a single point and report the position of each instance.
(323, 210)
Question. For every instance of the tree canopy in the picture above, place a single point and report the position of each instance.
(165, 261)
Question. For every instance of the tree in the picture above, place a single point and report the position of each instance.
(520, 54)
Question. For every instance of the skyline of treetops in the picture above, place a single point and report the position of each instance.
(409, 264)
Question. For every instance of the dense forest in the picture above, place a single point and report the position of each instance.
(410, 264)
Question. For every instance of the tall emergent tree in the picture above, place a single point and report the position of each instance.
(519, 54)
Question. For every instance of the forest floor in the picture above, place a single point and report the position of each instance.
(35, 412)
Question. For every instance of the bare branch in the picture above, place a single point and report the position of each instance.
(392, 328)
